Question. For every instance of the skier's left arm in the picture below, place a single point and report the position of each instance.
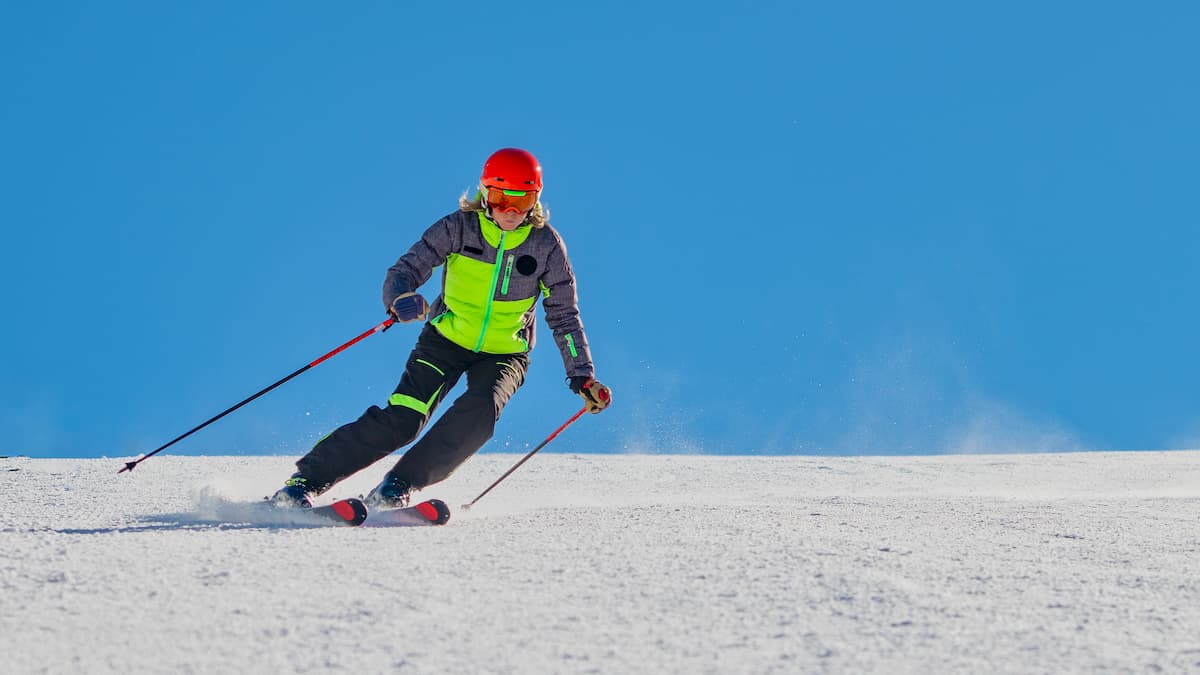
(561, 304)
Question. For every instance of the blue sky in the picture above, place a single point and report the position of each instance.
(839, 228)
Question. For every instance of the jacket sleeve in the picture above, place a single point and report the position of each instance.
(562, 313)
(415, 267)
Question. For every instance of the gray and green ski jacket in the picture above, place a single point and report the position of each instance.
(490, 283)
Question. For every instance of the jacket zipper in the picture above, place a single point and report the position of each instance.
(507, 273)
(487, 313)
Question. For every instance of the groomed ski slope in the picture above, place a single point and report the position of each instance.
(615, 564)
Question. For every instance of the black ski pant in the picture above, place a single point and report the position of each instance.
(433, 368)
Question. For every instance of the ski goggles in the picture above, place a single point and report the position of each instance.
(499, 199)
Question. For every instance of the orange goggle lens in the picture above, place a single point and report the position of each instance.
(520, 201)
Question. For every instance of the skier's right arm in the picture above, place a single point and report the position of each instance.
(416, 266)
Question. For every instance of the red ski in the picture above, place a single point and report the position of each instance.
(429, 512)
(347, 512)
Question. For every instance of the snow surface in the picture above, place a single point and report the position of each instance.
(614, 564)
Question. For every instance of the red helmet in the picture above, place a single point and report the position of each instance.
(512, 169)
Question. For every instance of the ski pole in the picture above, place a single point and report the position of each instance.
(130, 466)
(531, 453)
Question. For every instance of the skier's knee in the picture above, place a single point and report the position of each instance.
(405, 423)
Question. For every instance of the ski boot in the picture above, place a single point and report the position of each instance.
(295, 493)
(392, 493)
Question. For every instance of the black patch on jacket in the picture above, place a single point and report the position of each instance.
(527, 265)
(472, 249)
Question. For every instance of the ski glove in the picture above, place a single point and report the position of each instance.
(597, 396)
(409, 307)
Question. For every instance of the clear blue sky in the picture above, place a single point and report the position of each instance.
(797, 227)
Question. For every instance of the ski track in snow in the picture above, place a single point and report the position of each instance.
(613, 564)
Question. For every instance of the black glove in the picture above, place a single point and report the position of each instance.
(409, 307)
(596, 395)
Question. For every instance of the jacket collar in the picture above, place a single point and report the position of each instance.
(492, 233)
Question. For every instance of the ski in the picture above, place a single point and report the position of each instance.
(429, 512)
(348, 512)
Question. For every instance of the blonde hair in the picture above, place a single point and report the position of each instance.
(539, 217)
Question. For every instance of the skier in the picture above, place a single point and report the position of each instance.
(500, 253)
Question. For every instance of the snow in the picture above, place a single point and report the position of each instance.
(613, 564)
